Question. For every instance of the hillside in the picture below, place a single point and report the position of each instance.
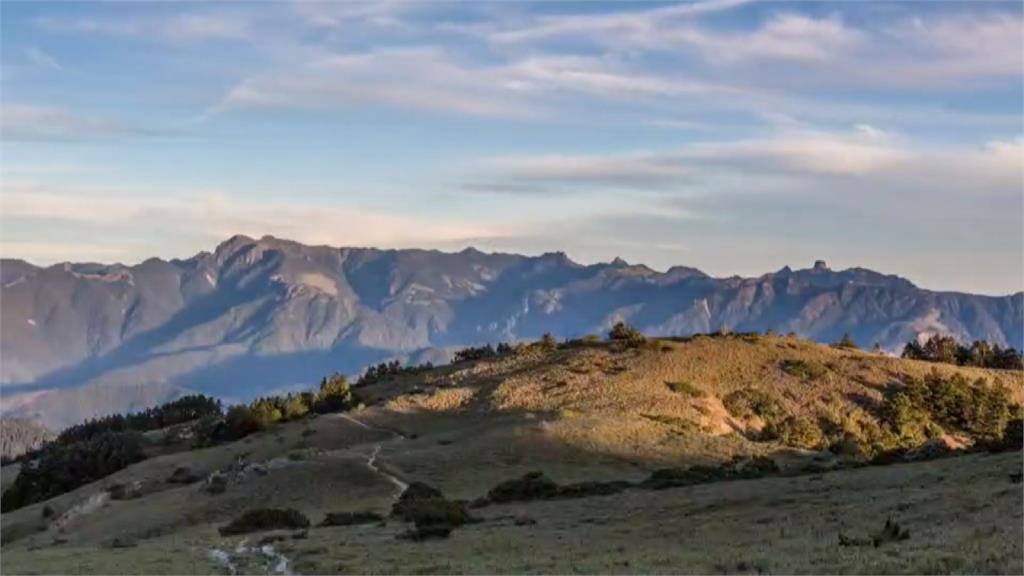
(608, 414)
(256, 316)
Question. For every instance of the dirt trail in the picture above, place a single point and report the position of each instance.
(371, 461)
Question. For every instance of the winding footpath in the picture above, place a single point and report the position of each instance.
(371, 461)
(278, 563)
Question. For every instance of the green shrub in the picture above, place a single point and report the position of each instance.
(978, 409)
(547, 343)
(240, 422)
(846, 342)
(263, 519)
(748, 402)
(796, 431)
(686, 389)
(335, 395)
(622, 332)
(804, 369)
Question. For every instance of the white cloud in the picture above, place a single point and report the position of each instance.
(819, 159)
(420, 78)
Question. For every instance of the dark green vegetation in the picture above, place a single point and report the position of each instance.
(928, 407)
(847, 342)
(433, 516)
(63, 467)
(334, 395)
(184, 409)
(263, 519)
(98, 448)
(980, 353)
(385, 370)
(622, 332)
(910, 413)
(748, 402)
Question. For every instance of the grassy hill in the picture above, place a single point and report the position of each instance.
(581, 412)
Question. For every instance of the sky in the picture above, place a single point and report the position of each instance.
(733, 136)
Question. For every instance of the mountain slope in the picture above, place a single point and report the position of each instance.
(583, 412)
(268, 314)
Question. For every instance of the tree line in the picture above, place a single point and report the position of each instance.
(980, 353)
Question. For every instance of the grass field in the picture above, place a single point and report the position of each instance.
(590, 412)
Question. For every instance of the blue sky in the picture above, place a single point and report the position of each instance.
(737, 137)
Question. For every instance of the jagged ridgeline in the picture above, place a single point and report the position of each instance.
(257, 316)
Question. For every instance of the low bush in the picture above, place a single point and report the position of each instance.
(432, 514)
(796, 431)
(686, 389)
(809, 370)
(532, 486)
(263, 519)
(748, 402)
(927, 407)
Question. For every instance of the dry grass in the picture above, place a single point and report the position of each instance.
(585, 413)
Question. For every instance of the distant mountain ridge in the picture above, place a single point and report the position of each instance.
(258, 315)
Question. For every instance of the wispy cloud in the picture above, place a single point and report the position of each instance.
(178, 27)
(42, 59)
(819, 158)
(28, 122)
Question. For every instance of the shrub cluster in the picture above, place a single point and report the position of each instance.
(947, 350)
(623, 332)
(334, 395)
(748, 402)
(61, 467)
(926, 407)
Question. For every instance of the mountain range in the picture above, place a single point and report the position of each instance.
(260, 316)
